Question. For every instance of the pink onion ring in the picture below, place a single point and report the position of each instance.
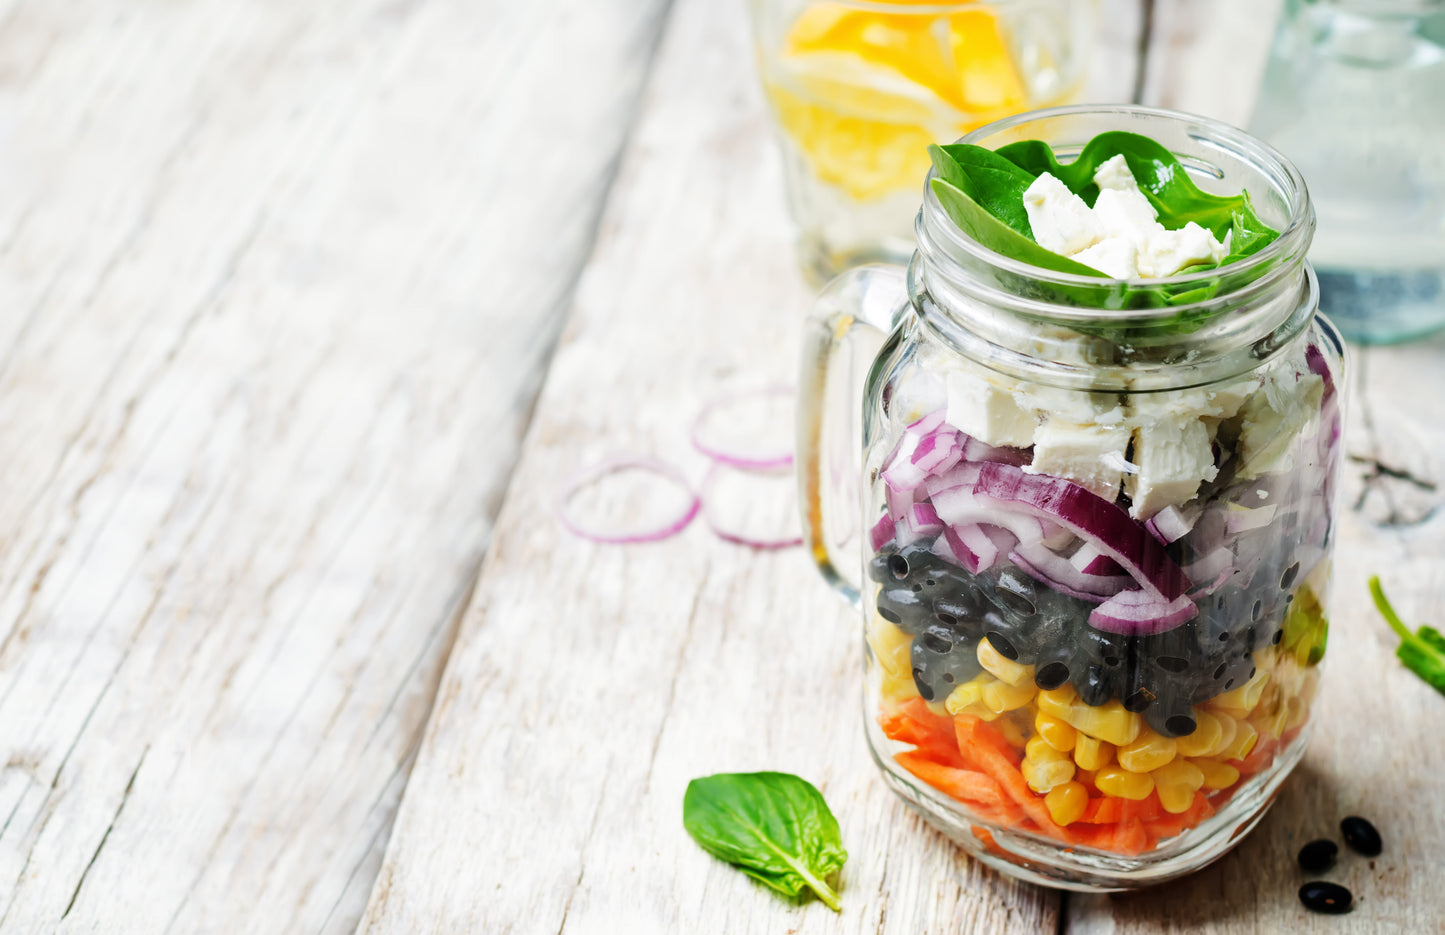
(728, 535)
(612, 465)
(733, 458)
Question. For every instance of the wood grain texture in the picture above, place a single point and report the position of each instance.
(277, 281)
(1208, 58)
(590, 683)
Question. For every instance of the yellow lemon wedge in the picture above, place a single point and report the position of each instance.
(863, 92)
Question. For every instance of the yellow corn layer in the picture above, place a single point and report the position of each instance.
(1004, 669)
(1045, 775)
(1216, 775)
(1010, 731)
(1122, 784)
(1108, 721)
(1205, 738)
(892, 647)
(1229, 729)
(1244, 740)
(1001, 696)
(1146, 754)
(1066, 802)
(1038, 749)
(968, 695)
(1058, 733)
(1242, 700)
(1176, 783)
(1092, 753)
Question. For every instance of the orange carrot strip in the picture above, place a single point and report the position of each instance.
(932, 734)
(964, 784)
(984, 753)
(1130, 837)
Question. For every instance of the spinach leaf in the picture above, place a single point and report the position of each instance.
(1422, 652)
(982, 192)
(774, 827)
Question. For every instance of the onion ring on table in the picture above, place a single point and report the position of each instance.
(612, 465)
(729, 535)
(743, 460)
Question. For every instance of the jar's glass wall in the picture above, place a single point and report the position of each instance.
(1016, 695)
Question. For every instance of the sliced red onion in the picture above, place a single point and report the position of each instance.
(1059, 573)
(928, 423)
(882, 532)
(977, 548)
(732, 535)
(923, 519)
(671, 526)
(1005, 495)
(1137, 613)
(976, 450)
(962, 475)
(747, 460)
(937, 452)
(1172, 523)
(1089, 560)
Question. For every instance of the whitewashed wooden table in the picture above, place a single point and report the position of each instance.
(280, 288)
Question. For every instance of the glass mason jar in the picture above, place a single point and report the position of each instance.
(859, 88)
(1376, 67)
(1096, 540)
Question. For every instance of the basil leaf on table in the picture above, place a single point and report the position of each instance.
(1422, 652)
(774, 827)
(982, 192)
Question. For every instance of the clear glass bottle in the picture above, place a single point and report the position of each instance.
(1095, 544)
(1354, 94)
(860, 88)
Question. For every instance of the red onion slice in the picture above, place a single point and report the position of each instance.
(1137, 613)
(722, 451)
(743, 537)
(663, 530)
(882, 532)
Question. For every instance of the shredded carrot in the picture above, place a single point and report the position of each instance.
(1107, 810)
(966, 785)
(932, 734)
(984, 749)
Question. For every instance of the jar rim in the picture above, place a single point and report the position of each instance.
(1293, 239)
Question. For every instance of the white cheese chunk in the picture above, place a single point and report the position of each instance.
(1114, 173)
(1173, 456)
(987, 412)
(1166, 252)
(1273, 418)
(1061, 221)
(1081, 453)
(1126, 214)
(1112, 256)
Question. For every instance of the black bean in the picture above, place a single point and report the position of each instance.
(1361, 836)
(1320, 896)
(1318, 856)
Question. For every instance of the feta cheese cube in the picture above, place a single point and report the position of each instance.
(1112, 256)
(986, 411)
(1081, 453)
(1114, 174)
(1061, 221)
(1173, 456)
(1166, 252)
(1272, 419)
(1127, 214)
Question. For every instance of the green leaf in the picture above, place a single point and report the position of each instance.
(1422, 652)
(981, 190)
(774, 827)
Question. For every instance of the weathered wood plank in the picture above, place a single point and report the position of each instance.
(277, 283)
(1208, 58)
(590, 683)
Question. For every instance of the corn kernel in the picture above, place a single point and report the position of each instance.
(1146, 754)
(1176, 782)
(1217, 775)
(1107, 721)
(1229, 729)
(891, 647)
(1004, 669)
(1298, 713)
(1207, 734)
(1272, 725)
(1122, 784)
(969, 694)
(1045, 775)
(1092, 753)
(1242, 700)
(1038, 749)
(1059, 733)
(1244, 741)
(897, 687)
(1001, 696)
(1066, 802)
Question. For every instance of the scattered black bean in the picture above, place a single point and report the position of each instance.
(1320, 896)
(1318, 856)
(1361, 836)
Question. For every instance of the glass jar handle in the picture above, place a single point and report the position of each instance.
(853, 315)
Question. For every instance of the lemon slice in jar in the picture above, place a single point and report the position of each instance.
(863, 92)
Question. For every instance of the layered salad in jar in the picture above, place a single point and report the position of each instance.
(1097, 616)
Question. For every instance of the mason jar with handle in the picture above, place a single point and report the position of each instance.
(1089, 536)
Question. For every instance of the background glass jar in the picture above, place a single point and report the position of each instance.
(1096, 569)
(1354, 94)
(860, 88)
